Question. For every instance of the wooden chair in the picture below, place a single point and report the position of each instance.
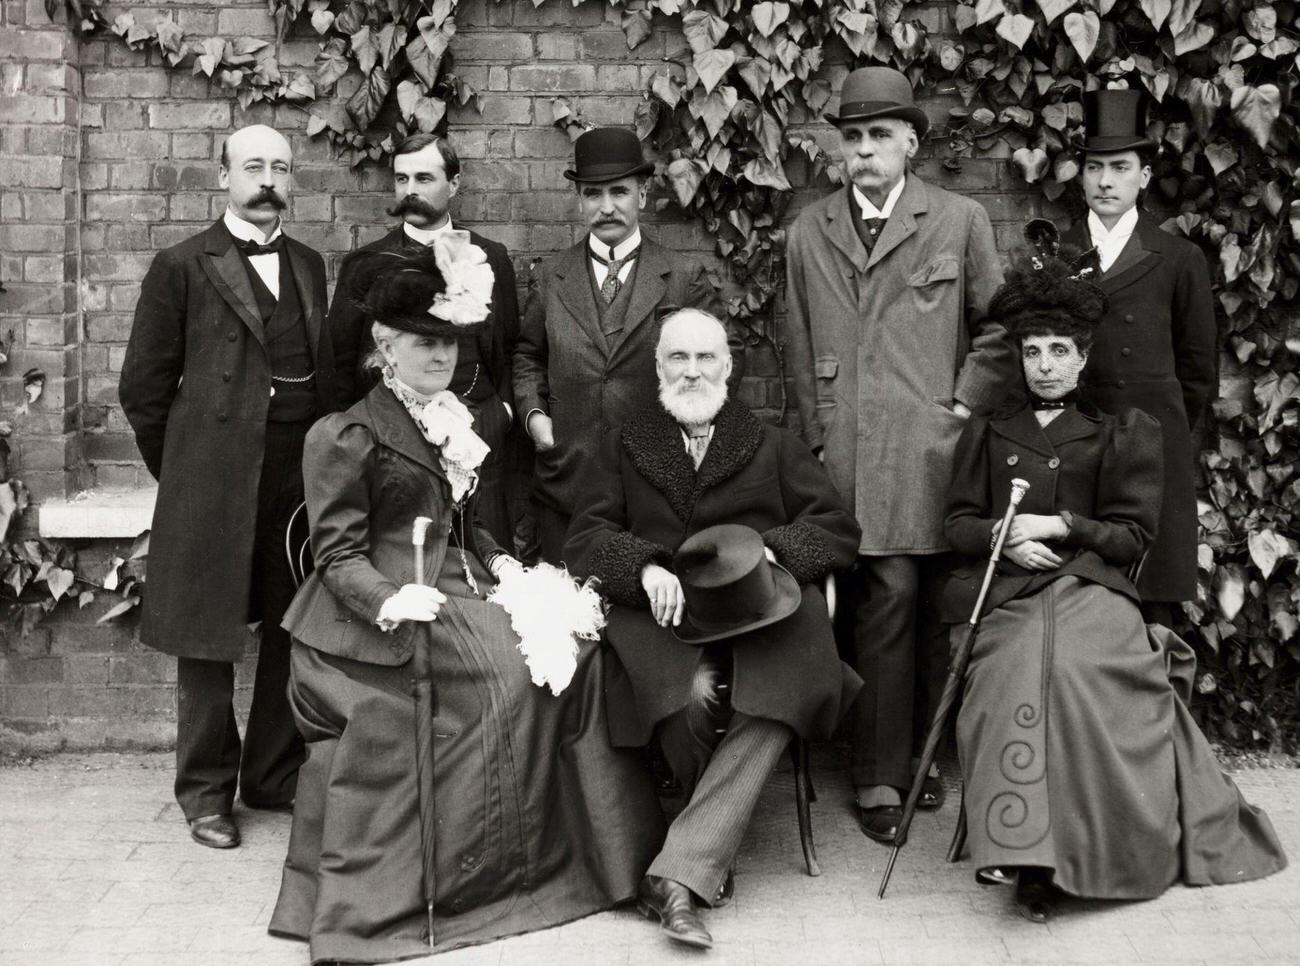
(297, 546)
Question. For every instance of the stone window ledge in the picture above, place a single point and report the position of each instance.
(98, 513)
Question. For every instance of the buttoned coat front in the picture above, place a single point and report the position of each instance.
(568, 369)
(881, 344)
(195, 386)
(1156, 350)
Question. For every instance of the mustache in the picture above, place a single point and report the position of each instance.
(269, 196)
(412, 205)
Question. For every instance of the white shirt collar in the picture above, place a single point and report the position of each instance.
(425, 236)
(1120, 233)
(621, 250)
(869, 210)
(246, 230)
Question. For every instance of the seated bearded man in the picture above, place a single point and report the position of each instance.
(722, 703)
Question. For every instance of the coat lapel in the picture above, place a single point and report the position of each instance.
(901, 223)
(225, 269)
(649, 285)
(1023, 430)
(1141, 253)
(1074, 423)
(840, 231)
(395, 429)
(573, 287)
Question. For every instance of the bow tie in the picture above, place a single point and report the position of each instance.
(250, 247)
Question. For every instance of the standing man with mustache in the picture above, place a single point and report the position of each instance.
(1156, 346)
(585, 359)
(426, 177)
(890, 350)
(228, 364)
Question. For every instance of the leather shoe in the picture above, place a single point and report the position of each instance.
(880, 822)
(215, 831)
(670, 902)
(1034, 895)
(725, 891)
(931, 793)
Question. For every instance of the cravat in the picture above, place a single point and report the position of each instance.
(609, 290)
(250, 247)
(698, 446)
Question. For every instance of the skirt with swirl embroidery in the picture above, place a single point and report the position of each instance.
(1080, 756)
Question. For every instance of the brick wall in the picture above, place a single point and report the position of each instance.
(106, 157)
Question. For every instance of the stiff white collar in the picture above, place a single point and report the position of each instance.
(425, 236)
(1110, 243)
(246, 230)
(621, 250)
(869, 210)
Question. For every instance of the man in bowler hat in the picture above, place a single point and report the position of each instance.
(426, 177)
(585, 357)
(890, 350)
(1156, 346)
(228, 364)
(709, 532)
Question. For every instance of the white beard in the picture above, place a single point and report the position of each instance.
(693, 408)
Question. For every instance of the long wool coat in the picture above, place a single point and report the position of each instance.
(1155, 350)
(880, 346)
(587, 384)
(195, 386)
(643, 498)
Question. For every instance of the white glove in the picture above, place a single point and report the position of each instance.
(502, 562)
(414, 602)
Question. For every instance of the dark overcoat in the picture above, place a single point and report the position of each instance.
(880, 345)
(1156, 350)
(1104, 470)
(643, 498)
(195, 386)
(566, 368)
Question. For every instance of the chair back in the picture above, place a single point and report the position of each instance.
(297, 545)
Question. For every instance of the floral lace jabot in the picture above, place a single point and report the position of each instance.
(446, 423)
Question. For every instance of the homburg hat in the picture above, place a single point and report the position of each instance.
(607, 154)
(1115, 121)
(729, 586)
(871, 92)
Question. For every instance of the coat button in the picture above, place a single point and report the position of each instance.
(1126, 351)
(1013, 459)
(221, 417)
(1128, 318)
(1121, 383)
(232, 337)
(468, 862)
(1053, 463)
(225, 377)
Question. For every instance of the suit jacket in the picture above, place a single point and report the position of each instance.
(1157, 350)
(879, 346)
(643, 498)
(1105, 470)
(195, 386)
(495, 341)
(565, 366)
(368, 473)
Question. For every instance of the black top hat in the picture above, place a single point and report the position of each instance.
(871, 92)
(607, 154)
(729, 586)
(1115, 121)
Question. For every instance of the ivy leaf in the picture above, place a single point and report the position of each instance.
(1256, 109)
(331, 63)
(716, 108)
(369, 98)
(171, 39)
(1015, 28)
(769, 16)
(1055, 116)
(816, 94)
(1261, 23)
(366, 50)
(909, 38)
(986, 10)
(1083, 29)
(951, 56)
(1230, 590)
(636, 27)
(1181, 15)
(1281, 612)
(1272, 392)
(667, 88)
(1221, 156)
(762, 172)
(1157, 11)
(213, 50)
(712, 66)
(1196, 36)
(1281, 47)
(440, 11)
(1294, 218)
(1031, 162)
(685, 176)
(119, 609)
(436, 36)
(756, 72)
(322, 20)
(859, 31)
(426, 61)
(965, 18)
(1203, 99)
(703, 30)
(300, 89)
(1066, 168)
(417, 107)
(1266, 550)
(60, 581)
(1054, 8)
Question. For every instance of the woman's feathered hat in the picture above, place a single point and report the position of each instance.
(1050, 290)
(445, 290)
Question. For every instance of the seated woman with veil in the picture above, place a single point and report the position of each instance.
(1084, 772)
(502, 807)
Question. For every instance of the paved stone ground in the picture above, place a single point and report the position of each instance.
(96, 868)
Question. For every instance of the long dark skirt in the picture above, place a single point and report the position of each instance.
(1079, 756)
(539, 820)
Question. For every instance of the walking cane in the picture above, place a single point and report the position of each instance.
(956, 671)
(422, 692)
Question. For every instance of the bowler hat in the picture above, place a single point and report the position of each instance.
(607, 154)
(1115, 121)
(729, 586)
(871, 92)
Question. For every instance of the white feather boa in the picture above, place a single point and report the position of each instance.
(550, 611)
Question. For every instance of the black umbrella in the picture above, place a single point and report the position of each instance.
(956, 671)
(422, 692)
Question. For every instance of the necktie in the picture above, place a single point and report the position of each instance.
(609, 289)
(698, 445)
(250, 247)
(873, 226)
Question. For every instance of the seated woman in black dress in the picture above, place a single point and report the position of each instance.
(1085, 774)
(537, 820)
